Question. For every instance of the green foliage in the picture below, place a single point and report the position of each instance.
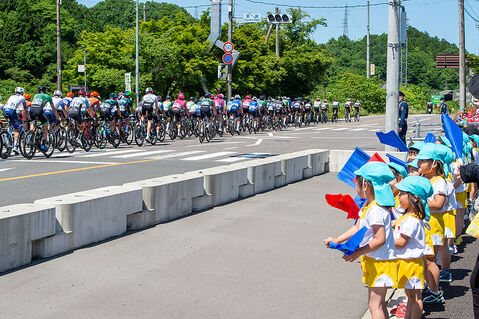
(416, 96)
(358, 87)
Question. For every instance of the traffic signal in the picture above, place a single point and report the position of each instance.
(278, 18)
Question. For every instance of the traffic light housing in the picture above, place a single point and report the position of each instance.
(277, 18)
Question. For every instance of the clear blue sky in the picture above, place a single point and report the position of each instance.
(437, 17)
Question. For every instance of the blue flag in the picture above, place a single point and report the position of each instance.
(360, 201)
(453, 134)
(355, 162)
(392, 139)
(352, 244)
(396, 160)
(430, 138)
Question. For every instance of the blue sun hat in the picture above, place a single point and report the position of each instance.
(437, 152)
(417, 146)
(419, 186)
(401, 169)
(475, 138)
(380, 175)
(466, 147)
(446, 141)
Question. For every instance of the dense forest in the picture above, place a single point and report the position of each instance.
(174, 54)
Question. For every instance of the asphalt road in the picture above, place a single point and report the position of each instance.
(23, 181)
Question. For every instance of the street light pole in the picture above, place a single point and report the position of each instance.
(230, 39)
(392, 86)
(277, 36)
(59, 48)
(462, 58)
(84, 66)
(137, 66)
(368, 72)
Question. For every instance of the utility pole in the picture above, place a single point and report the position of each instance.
(137, 66)
(144, 11)
(367, 49)
(393, 59)
(277, 36)
(462, 58)
(230, 39)
(59, 48)
(84, 63)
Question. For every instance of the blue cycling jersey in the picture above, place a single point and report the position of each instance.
(253, 105)
(235, 105)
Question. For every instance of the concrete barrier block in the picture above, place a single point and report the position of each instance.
(20, 226)
(201, 203)
(292, 166)
(223, 183)
(262, 176)
(93, 215)
(59, 243)
(140, 220)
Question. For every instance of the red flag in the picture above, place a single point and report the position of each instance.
(345, 203)
(377, 158)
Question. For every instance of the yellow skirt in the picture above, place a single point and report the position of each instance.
(461, 200)
(437, 228)
(449, 218)
(411, 273)
(429, 251)
(379, 273)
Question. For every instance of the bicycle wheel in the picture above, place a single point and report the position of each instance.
(8, 142)
(129, 136)
(71, 144)
(29, 145)
(139, 134)
(50, 144)
(173, 131)
(61, 139)
(100, 138)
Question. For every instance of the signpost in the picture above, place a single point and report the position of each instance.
(227, 58)
(436, 98)
(373, 69)
(251, 18)
(228, 47)
(128, 82)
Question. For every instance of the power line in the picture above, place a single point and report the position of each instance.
(319, 7)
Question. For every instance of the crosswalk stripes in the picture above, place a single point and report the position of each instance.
(358, 129)
(142, 153)
(109, 153)
(340, 129)
(207, 156)
(176, 155)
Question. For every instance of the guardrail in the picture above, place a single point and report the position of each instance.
(60, 224)
(417, 131)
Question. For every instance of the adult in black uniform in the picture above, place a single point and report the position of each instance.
(403, 114)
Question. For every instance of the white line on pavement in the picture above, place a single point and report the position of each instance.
(65, 162)
(375, 130)
(322, 129)
(341, 129)
(6, 169)
(259, 141)
(212, 155)
(270, 134)
(108, 153)
(231, 148)
(358, 129)
(143, 153)
(216, 143)
(176, 154)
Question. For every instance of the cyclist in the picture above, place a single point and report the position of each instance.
(270, 105)
(280, 109)
(220, 108)
(59, 104)
(357, 106)
(10, 113)
(36, 112)
(49, 107)
(246, 101)
(191, 106)
(253, 110)
(297, 108)
(316, 106)
(206, 108)
(262, 105)
(235, 110)
(324, 110)
(107, 109)
(307, 109)
(22, 112)
(125, 105)
(94, 104)
(347, 109)
(179, 109)
(78, 107)
(149, 109)
(335, 109)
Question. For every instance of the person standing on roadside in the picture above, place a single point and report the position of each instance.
(443, 106)
(403, 114)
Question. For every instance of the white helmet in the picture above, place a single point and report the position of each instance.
(19, 90)
(57, 93)
(149, 90)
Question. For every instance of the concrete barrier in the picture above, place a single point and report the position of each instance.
(89, 217)
(21, 227)
(60, 224)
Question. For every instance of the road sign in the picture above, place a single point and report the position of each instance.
(222, 72)
(373, 69)
(128, 82)
(449, 61)
(227, 58)
(251, 18)
(436, 98)
(228, 47)
(81, 68)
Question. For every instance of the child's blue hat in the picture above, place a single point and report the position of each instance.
(401, 169)
(417, 146)
(437, 152)
(445, 140)
(419, 186)
(475, 138)
(380, 175)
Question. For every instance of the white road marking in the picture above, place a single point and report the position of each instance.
(322, 129)
(259, 141)
(270, 134)
(207, 156)
(176, 154)
(6, 169)
(231, 148)
(341, 129)
(216, 143)
(65, 162)
(109, 153)
(142, 153)
(358, 129)
(374, 130)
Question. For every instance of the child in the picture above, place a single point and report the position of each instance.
(400, 173)
(410, 242)
(378, 262)
(430, 162)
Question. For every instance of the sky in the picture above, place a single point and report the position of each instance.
(437, 17)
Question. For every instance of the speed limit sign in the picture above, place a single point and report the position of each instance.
(228, 47)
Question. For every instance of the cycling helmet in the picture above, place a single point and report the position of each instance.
(357, 101)
(231, 98)
(58, 93)
(181, 96)
(192, 98)
(113, 95)
(349, 99)
(262, 97)
(127, 93)
(42, 89)
(19, 90)
(247, 97)
(255, 98)
(212, 97)
(207, 96)
(82, 92)
(168, 97)
(318, 99)
(88, 94)
(220, 96)
(299, 99)
(149, 90)
(120, 94)
(27, 97)
(70, 94)
(237, 97)
(159, 99)
(94, 94)
(325, 101)
(335, 100)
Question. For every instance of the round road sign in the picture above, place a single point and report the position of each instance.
(228, 47)
(227, 58)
